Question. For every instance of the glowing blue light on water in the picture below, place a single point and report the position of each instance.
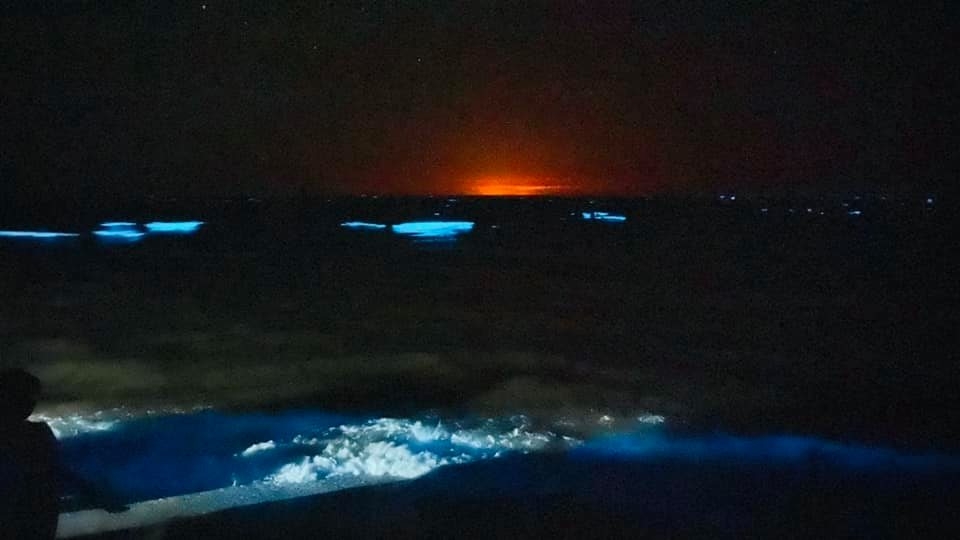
(174, 227)
(119, 232)
(362, 225)
(603, 216)
(763, 449)
(124, 234)
(118, 225)
(36, 234)
(433, 229)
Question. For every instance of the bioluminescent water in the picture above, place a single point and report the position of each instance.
(37, 235)
(433, 230)
(187, 453)
(605, 217)
(363, 225)
(130, 232)
(172, 465)
(215, 460)
(119, 235)
(118, 232)
(174, 227)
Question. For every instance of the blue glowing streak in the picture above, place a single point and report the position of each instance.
(612, 219)
(124, 234)
(174, 227)
(118, 225)
(603, 216)
(854, 213)
(433, 229)
(362, 225)
(36, 234)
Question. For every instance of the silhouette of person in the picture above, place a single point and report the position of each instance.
(29, 480)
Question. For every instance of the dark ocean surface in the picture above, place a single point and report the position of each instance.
(694, 348)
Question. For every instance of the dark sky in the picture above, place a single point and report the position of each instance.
(210, 97)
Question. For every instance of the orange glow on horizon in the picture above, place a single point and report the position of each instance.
(514, 186)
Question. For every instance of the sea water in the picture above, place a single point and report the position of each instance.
(168, 466)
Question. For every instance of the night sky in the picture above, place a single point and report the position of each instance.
(112, 99)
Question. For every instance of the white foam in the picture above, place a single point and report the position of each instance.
(376, 460)
(73, 425)
(258, 447)
(405, 449)
(349, 455)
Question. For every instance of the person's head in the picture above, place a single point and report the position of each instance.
(19, 393)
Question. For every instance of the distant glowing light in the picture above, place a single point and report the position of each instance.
(362, 225)
(119, 231)
(433, 229)
(118, 225)
(515, 186)
(603, 216)
(854, 213)
(36, 234)
(124, 235)
(174, 227)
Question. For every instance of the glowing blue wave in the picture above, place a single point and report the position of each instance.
(174, 227)
(124, 234)
(36, 234)
(362, 225)
(197, 452)
(118, 225)
(433, 229)
(119, 232)
(201, 462)
(603, 216)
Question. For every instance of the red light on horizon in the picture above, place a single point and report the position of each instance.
(515, 187)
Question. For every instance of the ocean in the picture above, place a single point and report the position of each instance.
(203, 357)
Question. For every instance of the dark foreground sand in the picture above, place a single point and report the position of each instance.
(564, 497)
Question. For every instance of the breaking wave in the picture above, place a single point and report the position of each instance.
(153, 456)
(399, 448)
(174, 465)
